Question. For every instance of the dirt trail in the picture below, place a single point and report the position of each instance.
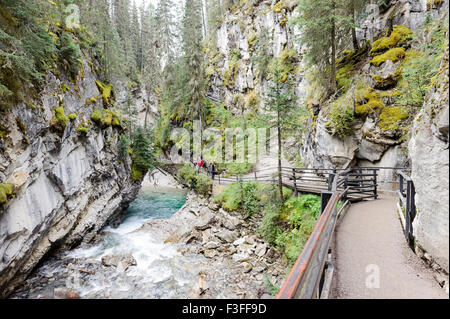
(370, 238)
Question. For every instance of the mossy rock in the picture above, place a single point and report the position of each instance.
(373, 103)
(59, 120)
(391, 117)
(400, 36)
(106, 118)
(252, 100)
(106, 91)
(20, 125)
(395, 55)
(279, 7)
(352, 57)
(387, 83)
(73, 116)
(83, 129)
(6, 192)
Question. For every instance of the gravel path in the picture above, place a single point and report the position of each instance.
(369, 240)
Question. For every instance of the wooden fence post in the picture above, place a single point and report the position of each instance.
(295, 182)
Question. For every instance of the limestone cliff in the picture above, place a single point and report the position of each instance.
(234, 79)
(381, 134)
(429, 154)
(62, 165)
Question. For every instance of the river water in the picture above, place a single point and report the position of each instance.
(163, 270)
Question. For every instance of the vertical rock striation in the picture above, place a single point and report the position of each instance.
(68, 181)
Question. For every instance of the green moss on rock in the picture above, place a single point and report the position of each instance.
(106, 91)
(391, 117)
(6, 192)
(395, 55)
(20, 125)
(83, 128)
(400, 36)
(373, 103)
(105, 118)
(73, 116)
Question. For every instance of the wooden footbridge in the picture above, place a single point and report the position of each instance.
(357, 191)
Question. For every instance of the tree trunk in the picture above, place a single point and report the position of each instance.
(354, 39)
(333, 50)
(280, 181)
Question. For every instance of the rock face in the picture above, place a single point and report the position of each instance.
(234, 79)
(160, 179)
(67, 183)
(429, 154)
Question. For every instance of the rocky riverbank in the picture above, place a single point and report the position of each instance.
(238, 259)
(201, 251)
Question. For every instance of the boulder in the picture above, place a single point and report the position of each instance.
(231, 222)
(240, 257)
(124, 261)
(227, 235)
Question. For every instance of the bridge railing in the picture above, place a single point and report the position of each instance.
(305, 281)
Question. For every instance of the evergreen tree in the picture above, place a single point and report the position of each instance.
(280, 101)
(193, 59)
(165, 20)
(317, 22)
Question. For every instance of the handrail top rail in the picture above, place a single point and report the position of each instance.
(406, 177)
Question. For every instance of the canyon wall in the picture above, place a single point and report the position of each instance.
(65, 171)
(234, 79)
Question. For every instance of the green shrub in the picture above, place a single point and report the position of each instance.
(203, 185)
(271, 288)
(123, 147)
(302, 208)
(70, 51)
(188, 175)
(269, 227)
(231, 197)
(143, 150)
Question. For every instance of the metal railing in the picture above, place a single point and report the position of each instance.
(310, 277)
(407, 196)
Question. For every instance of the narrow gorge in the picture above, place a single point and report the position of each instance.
(116, 180)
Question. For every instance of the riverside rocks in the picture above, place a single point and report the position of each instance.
(237, 258)
(122, 261)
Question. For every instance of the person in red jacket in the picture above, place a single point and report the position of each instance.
(200, 164)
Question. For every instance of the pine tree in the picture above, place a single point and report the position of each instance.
(165, 20)
(193, 60)
(280, 101)
(149, 61)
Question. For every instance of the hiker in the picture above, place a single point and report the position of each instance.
(200, 164)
